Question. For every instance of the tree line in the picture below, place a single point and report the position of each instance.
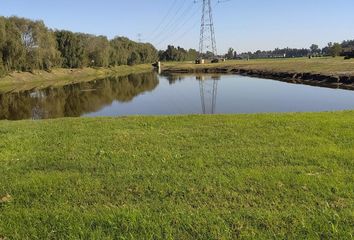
(346, 48)
(27, 45)
(173, 53)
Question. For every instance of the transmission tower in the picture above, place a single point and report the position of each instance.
(207, 41)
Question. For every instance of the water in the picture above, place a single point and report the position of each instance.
(152, 94)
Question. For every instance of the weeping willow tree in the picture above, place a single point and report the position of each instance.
(26, 45)
(127, 52)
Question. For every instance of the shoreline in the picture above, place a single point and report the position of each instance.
(22, 81)
(323, 72)
(326, 72)
(307, 78)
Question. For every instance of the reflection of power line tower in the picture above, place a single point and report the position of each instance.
(207, 41)
(208, 93)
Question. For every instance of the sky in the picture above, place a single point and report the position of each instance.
(245, 25)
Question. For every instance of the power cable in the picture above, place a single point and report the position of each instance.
(177, 27)
(165, 17)
(153, 38)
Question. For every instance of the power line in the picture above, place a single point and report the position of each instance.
(179, 22)
(172, 20)
(189, 29)
(177, 27)
(165, 17)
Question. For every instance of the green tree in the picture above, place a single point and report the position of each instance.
(26, 45)
(314, 49)
(230, 53)
(177, 54)
(2, 43)
(134, 58)
(71, 49)
(124, 51)
(13, 51)
(119, 52)
(335, 49)
(96, 49)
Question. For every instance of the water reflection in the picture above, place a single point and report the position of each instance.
(208, 88)
(152, 94)
(74, 100)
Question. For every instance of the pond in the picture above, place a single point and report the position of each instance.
(153, 94)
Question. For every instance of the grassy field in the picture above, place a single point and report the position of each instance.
(267, 176)
(59, 77)
(327, 66)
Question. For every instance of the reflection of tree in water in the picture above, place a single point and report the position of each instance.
(174, 78)
(74, 100)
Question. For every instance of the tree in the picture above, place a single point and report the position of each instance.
(335, 49)
(230, 53)
(235, 55)
(314, 49)
(178, 54)
(134, 58)
(26, 45)
(96, 50)
(123, 51)
(37, 44)
(13, 52)
(71, 48)
(349, 44)
(2, 43)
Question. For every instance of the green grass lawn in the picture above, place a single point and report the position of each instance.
(326, 65)
(266, 176)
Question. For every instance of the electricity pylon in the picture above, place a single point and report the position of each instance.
(207, 42)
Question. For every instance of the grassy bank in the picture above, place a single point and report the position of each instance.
(59, 77)
(327, 66)
(286, 176)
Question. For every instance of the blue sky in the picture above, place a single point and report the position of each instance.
(244, 25)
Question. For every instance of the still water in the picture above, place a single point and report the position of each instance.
(152, 94)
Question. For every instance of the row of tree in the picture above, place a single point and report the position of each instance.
(173, 53)
(27, 45)
(332, 49)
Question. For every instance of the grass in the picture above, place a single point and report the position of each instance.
(266, 176)
(58, 77)
(327, 66)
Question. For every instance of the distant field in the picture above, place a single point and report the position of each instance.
(266, 176)
(328, 66)
(59, 77)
